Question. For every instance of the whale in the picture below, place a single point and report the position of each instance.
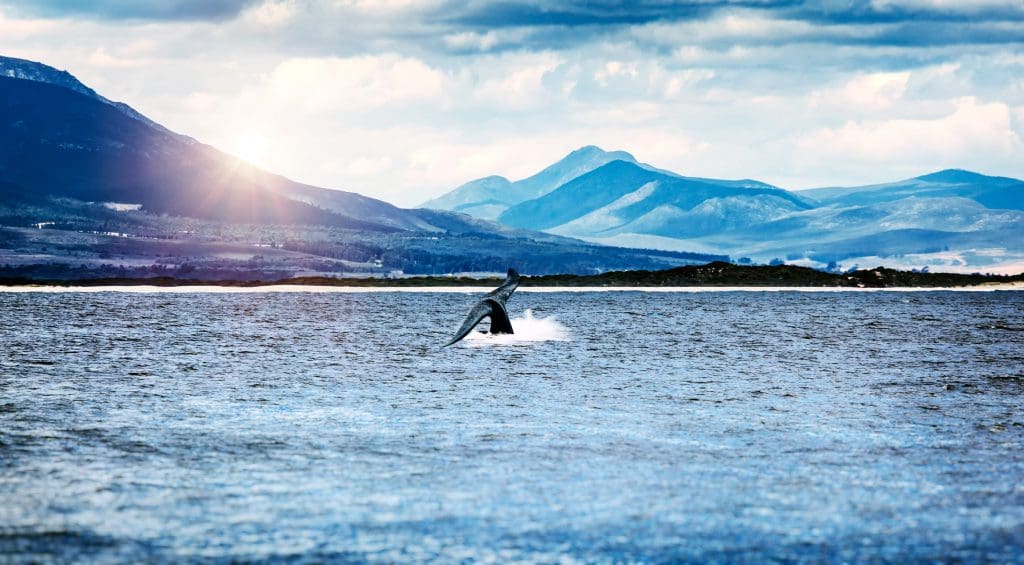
(492, 306)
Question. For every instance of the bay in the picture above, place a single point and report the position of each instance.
(625, 426)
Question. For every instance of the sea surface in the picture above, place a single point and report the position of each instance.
(613, 427)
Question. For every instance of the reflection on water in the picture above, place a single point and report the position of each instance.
(611, 427)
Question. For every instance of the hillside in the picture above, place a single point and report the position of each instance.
(65, 144)
(488, 197)
(951, 220)
(88, 185)
(620, 193)
(88, 181)
(988, 191)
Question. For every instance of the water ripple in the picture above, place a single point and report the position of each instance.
(730, 426)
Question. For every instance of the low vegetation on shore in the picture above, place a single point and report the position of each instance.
(710, 275)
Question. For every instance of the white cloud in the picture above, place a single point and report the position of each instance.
(100, 57)
(19, 29)
(388, 7)
(378, 98)
(947, 5)
(515, 82)
(368, 166)
(865, 90)
(272, 13)
(471, 40)
(971, 131)
(487, 41)
(613, 69)
(725, 27)
(332, 84)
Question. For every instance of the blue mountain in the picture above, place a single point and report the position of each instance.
(989, 191)
(622, 193)
(82, 165)
(37, 72)
(488, 197)
(951, 218)
(63, 140)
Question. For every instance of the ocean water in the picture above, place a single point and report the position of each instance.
(614, 427)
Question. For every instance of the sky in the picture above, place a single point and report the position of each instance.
(406, 99)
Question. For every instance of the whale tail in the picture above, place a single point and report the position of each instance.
(492, 306)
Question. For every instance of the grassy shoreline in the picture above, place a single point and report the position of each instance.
(710, 275)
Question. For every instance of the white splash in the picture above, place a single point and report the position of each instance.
(528, 330)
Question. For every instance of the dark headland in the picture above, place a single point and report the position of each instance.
(715, 274)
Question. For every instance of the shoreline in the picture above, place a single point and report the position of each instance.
(720, 276)
(286, 288)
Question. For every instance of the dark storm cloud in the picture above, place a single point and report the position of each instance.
(938, 34)
(571, 13)
(560, 24)
(577, 13)
(865, 13)
(180, 10)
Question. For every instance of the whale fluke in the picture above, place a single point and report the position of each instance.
(492, 305)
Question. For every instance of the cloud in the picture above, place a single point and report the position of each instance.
(515, 82)
(730, 28)
(351, 83)
(472, 41)
(404, 99)
(569, 14)
(954, 6)
(972, 131)
(14, 29)
(895, 11)
(869, 91)
(102, 58)
(272, 14)
(132, 9)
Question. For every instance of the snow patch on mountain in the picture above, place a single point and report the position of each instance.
(38, 72)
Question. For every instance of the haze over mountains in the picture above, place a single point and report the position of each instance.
(89, 182)
(950, 220)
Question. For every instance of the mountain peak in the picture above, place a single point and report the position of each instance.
(953, 176)
(23, 69)
(492, 179)
(488, 197)
(30, 70)
(588, 150)
(595, 152)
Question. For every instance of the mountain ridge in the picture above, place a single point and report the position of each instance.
(604, 185)
(489, 196)
(992, 191)
(67, 152)
(24, 69)
(633, 204)
(86, 183)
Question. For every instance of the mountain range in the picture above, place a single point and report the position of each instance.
(64, 140)
(490, 196)
(92, 187)
(89, 182)
(950, 220)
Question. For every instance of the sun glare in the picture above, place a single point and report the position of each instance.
(251, 146)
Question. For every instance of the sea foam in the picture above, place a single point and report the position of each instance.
(528, 330)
